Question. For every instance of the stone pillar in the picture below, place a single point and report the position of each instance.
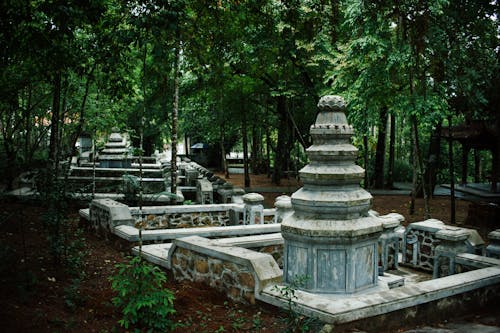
(452, 243)
(389, 241)
(253, 211)
(493, 248)
(284, 208)
(330, 239)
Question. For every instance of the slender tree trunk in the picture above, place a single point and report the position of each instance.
(365, 161)
(414, 173)
(477, 166)
(175, 112)
(27, 122)
(81, 120)
(245, 149)
(223, 152)
(418, 157)
(268, 152)
(283, 146)
(392, 139)
(433, 160)
(452, 173)
(54, 128)
(465, 160)
(255, 150)
(380, 154)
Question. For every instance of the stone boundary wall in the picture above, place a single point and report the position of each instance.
(188, 216)
(239, 272)
(106, 214)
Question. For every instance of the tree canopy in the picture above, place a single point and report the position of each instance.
(250, 72)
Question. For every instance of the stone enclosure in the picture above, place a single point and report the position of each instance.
(358, 266)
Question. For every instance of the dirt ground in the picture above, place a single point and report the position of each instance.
(36, 294)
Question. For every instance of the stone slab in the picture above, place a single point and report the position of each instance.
(182, 209)
(251, 241)
(131, 234)
(476, 261)
(155, 253)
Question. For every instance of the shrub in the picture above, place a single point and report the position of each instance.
(141, 296)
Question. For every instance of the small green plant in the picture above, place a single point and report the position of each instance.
(256, 322)
(238, 320)
(73, 298)
(295, 322)
(143, 300)
(75, 255)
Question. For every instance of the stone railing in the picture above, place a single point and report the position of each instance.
(107, 214)
(421, 242)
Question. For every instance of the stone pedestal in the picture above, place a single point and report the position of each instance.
(253, 211)
(452, 243)
(204, 192)
(330, 240)
(284, 208)
(493, 248)
(389, 241)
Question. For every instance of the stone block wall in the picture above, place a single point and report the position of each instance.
(240, 273)
(187, 220)
(275, 250)
(422, 250)
(237, 280)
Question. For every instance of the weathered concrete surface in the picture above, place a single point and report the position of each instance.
(131, 234)
(430, 300)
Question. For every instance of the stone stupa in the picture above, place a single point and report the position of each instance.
(115, 152)
(330, 239)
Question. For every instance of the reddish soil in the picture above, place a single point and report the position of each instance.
(34, 291)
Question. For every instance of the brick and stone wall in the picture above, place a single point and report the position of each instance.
(236, 271)
(187, 220)
(421, 253)
(222, 275)
(275, 250)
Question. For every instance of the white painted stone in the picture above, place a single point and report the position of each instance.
(131, 234)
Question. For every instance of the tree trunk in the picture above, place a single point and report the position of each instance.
(392, 139)
(380, 154)
(175, 112)
(433, 160)
(418, 157)
(245, 149)
(256, 143)
(477, 166)
(27, 122)
(54, 128)
(223, 152)
(282, 154)
(365, 161)
(465, 159)
(414, 173)
(268, 152)
(452, 174)
(81, 120)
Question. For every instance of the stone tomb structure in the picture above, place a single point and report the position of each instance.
(115, 153)
(330, 239)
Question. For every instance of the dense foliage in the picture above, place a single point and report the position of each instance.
(251, 73)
